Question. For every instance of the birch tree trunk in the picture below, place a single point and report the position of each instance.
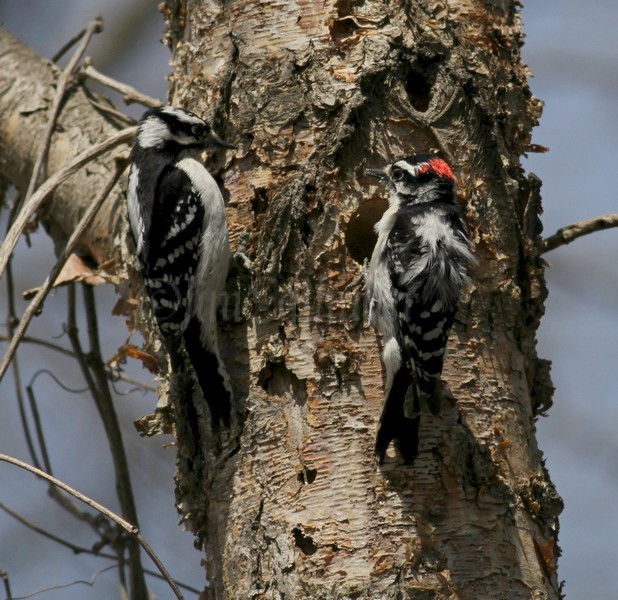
(313, 93)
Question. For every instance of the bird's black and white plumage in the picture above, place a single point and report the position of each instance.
(177, 216)
(415, 277)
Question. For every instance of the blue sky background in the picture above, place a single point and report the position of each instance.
(572, 49)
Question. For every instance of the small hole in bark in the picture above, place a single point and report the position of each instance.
(259, 202)
(304, 542)
(360, 238)
(420, 81)
(307, 476)
(341, 29)
(344, 25)
(277, 380)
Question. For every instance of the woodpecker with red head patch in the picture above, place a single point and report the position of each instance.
(415, 277)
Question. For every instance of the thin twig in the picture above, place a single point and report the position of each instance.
(102, 396)
(27, 339)
(128, 527)
(93, 27)
(63, 586)
(57, 381)
(36, 303)
(66, 47)
(30, 207)
(80, 549)
(34, 410)
(113, 374)
(70, 545)
(565, 235)
(7, 586)
(11, 322)
(96, 522)
(129, 93)
(108, 110)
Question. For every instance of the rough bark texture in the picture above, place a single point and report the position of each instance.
(313, 93)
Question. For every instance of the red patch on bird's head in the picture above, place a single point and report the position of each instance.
(441, 168)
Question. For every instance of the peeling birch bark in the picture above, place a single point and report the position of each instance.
(313, 93)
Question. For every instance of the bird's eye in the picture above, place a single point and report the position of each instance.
(199, 131)
(397, 174)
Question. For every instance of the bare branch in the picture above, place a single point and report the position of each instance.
(93, 27)
(79, 549)
(128, 527)
(129, 93)
(113, 373)
(108, 110)
(36, 303)
(29, 83)
(12, 321)
(34, 410)
(68, 45)
(57, 381)
(62, 586)
(565, 235)
(30, 207)
(73, 547)
(92, 367)
(40, 342)
(7, 586)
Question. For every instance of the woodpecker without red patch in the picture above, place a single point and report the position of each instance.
(177, 216)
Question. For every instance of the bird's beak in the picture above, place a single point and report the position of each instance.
(379, 173)
(214, 141)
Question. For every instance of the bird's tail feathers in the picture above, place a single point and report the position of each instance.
(394, 426)
(424, 395)
(210, 372)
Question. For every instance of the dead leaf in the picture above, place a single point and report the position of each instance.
(148, 360)
(127, 349)
(74, 270)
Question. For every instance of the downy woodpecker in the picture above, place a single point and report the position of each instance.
(415, 277)
(177, 216)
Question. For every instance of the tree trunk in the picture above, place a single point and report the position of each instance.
(313, 94)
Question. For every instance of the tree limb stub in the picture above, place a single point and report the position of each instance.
(27, 87)
(566, 235)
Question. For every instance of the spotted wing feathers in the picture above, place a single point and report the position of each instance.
(427, 252)
(173, 243)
